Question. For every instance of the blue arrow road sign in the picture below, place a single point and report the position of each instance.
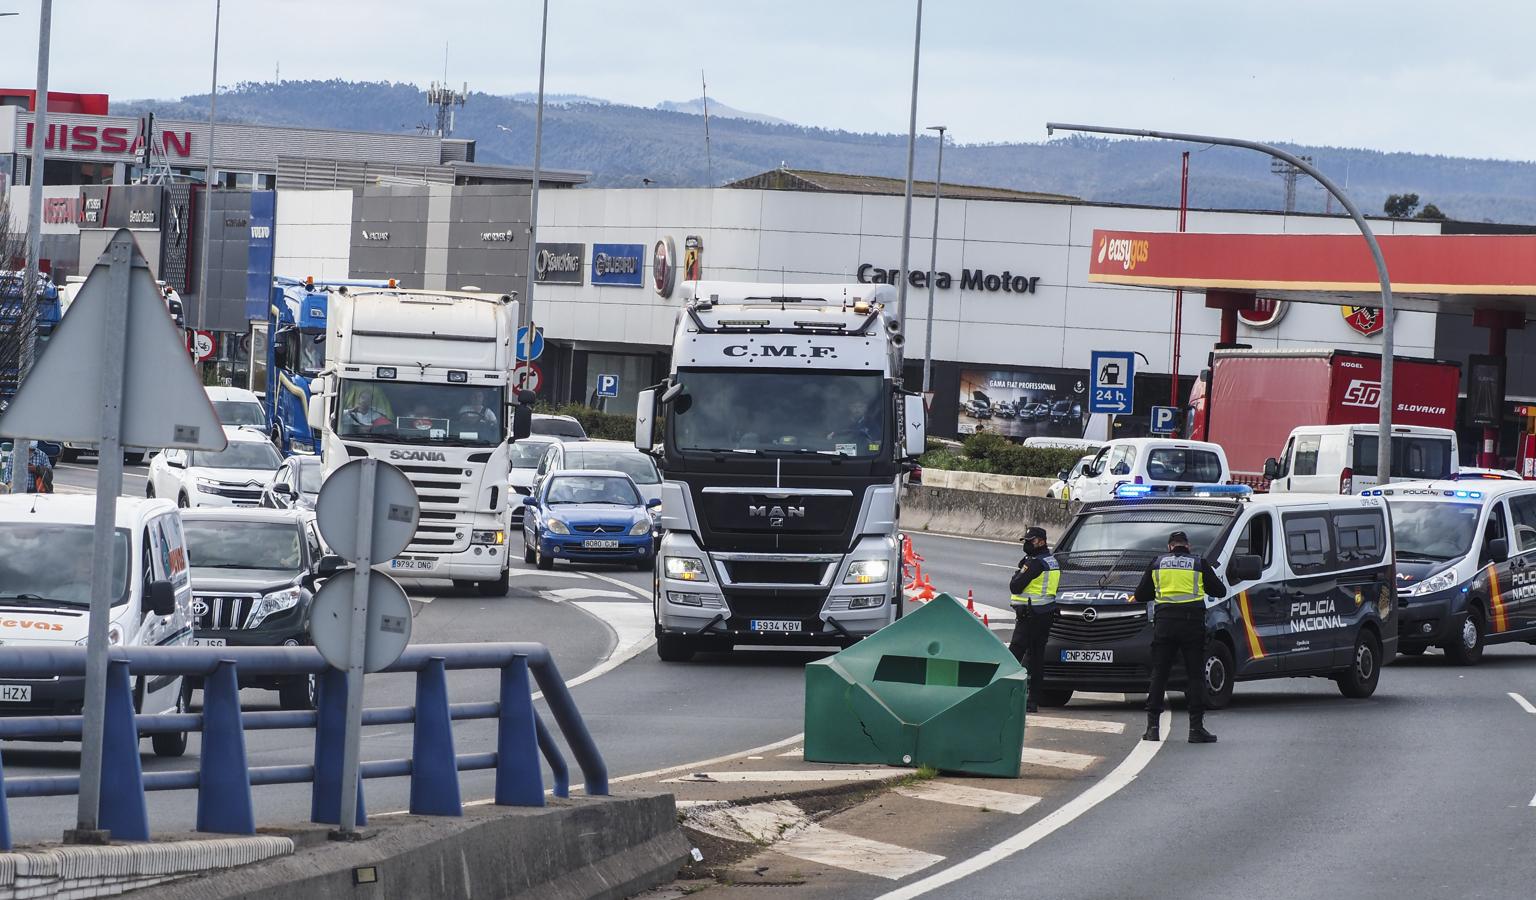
(607, 385)
(522, 343)
(1165, 419)
(1114, 377)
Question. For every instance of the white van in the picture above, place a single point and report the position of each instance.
(1462, 549)
(237, 407)
(1341, 459)
(45, 578)
(1162, 465)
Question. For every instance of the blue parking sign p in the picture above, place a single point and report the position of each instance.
(1165, 420)
(608, 385)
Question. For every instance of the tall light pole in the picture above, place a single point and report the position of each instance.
(1384, 420)
(526, 313)
(906, 216)
(26, 326)
(933, 259)
(213, 97)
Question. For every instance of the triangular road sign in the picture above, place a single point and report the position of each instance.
(163, 405)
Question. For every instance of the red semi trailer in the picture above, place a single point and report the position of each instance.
(1249, 400)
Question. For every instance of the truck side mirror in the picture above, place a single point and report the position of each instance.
(159, 598)
(1248, 567)
(1271, 468)
(522, 421)
(645, 420)
(1498, 550)
(915, 415)
(314, 414)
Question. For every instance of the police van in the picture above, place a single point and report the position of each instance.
(1466, 564)
(1309, 578)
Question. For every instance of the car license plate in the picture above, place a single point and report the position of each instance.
(412, 565)
(600, 545)
(15, 693)
(1088, 656)
(208, 642)
(775, 625)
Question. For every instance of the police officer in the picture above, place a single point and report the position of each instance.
(1177, 583)
(1033, 588)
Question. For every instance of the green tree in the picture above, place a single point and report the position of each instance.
(1401, 206)
(1431, 211)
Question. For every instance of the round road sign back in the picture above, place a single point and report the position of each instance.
(396, 510)
(387, 631)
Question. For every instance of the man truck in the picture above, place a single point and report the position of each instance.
(786, 433)
(420, 379)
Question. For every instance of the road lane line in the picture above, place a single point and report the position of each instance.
(1057, 759)
(960, 537)
(1040, 720)
(632, 624)
(964, 795)
(1107, 787)
(1524, 703)
(1000, 566)
(583, 594)
(745, 776)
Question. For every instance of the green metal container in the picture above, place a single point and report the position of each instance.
(936, 688)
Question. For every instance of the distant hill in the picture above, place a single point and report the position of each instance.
(621, 145)
(716, 110)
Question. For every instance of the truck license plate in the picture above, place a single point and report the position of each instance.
(1088, 656)
(208, 642)
(600, 545)
(15, 693)
(412, 565)
(775, 625)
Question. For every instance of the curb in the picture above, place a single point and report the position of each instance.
(82, 871)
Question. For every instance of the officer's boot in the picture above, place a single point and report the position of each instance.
(1197, 732)
(1153, 732)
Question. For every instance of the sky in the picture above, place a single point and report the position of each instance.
(1410, 75)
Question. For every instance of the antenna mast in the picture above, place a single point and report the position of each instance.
(709, 160)
(445, 99)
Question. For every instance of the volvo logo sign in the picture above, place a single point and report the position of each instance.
(1090, 614)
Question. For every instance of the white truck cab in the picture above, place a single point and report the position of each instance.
(1341, 459)
(1151, 466)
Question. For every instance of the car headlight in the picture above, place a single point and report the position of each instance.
(275, 602)
(711, 601)
(557, 526)
(686, 568)
(1440, 582)
(867, 571)
(206, 482)
(114, 637)
(643, 526)
(489, 536)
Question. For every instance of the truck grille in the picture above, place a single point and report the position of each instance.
(766, 572)
(216, 611)
(746, 607)
(1102, 631)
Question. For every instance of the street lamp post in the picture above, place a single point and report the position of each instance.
(26, 326)
(933, 259)
(526, 313)
(1384, 420)
(906, 216)
(213, 98)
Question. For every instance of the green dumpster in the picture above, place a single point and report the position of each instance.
(935, 688)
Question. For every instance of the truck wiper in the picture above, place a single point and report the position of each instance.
(720, 450)
(37, 600)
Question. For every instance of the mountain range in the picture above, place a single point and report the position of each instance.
(629, 146)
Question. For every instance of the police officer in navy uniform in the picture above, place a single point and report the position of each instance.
(1177, 583)
(1033, 588)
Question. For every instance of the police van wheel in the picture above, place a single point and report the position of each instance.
(1466, 647)
(1218, 676)
(674, 648)
(1053, 698)
(174, 744)
(1359, 680)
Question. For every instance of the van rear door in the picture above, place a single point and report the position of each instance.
(1415, 457)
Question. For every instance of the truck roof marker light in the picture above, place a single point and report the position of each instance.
(392, 284)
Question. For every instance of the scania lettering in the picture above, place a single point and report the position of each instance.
(421, 380)
(787, 435)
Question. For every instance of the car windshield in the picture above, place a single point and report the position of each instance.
(1143, 529)
(53, 562)
(1426, 530)
(237, 455)
(557, 426)
(240, 412)
(526, 454)
(634, 464)
(311, 474)
(607, 489)
(415, 413)
(234, 544)
(780, 411)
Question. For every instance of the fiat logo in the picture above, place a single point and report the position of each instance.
(1090, 614)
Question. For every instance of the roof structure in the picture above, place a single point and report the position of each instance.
(843, 183)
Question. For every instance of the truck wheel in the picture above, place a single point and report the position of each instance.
(297, 693)
(1466, 647)
(1359, 680)
(1053, 698)
(543, 561)
(1218, 675)
(496, 588)
(674, 648)
(174, 744)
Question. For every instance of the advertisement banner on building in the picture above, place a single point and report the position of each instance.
(559, 263)
(618, 265)
(1485, 391)
(1020, 403)
(258, 269)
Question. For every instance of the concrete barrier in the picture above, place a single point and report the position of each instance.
(88, 871)
(980, 513)
(985, 481)
(606, 848)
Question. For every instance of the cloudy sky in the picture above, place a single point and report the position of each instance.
(1434, 77)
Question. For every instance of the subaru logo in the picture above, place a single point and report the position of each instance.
(1090, 614)
(199, 607)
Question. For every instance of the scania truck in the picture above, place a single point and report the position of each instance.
(786, 435)
(420, 379)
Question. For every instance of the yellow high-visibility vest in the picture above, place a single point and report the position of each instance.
(1042, 590)
(1176, 578)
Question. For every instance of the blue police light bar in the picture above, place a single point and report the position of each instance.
(1221, 490)
(1128, 491)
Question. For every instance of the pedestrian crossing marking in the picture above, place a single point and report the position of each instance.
(965, 795)
(1057, 759)
(749, 775)
(827, 847)
(1065, 724)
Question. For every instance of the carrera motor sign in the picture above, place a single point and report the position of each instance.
(559, 263)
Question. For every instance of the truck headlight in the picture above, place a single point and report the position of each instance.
(686, 568)
(870, 602)
(1444, 580)
(557, 527)
(643, 526)
(867, 571)
(489, 536)
(275, 602)
(712, 601)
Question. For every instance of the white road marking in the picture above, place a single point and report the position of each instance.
(1057, 759)
(846, 851)
(744, 776)
(583, 594)
(1040, 720)
(1107, 787)
(798, 751)
(1524, 703)
(633, 624)
(1533, 801)
(72, 489)
(518, 573)
(1000, 566)
(961, 537)
(1095, 695)
(964, 795)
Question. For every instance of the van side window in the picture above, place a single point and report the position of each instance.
(546, 462)
(1523, 510)
(1099, 463)
(1285, 457)
(1493, 531)
(1257, 539)
(1306, 454)
(147, 561)
(1359, 537)
(1117, 464)
(1307, 544)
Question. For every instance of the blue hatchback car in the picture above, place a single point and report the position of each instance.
(590, 515)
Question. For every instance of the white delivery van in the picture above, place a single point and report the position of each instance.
(1341, 459)
(1463, 552)
(1150, 466)
(45, 581)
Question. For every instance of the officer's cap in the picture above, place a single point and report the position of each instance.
(1034, 532)
(1178, 538)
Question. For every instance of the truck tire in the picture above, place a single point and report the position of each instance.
(496, 588)
(674, 648)
(1053, 698)
(1218, 675)
(297, 693)
(1359, 680)
(173, 744)
(1465, 648)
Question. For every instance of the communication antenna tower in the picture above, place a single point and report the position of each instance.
(1289, 173)
(446, 99)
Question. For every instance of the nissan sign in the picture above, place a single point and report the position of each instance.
(559, 263)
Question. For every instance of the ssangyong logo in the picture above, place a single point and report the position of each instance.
(775, 514)
(1362, 393)
(421, 455)
(1124, 251)
(550, 262)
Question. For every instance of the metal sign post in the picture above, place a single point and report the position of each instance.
(363, 556)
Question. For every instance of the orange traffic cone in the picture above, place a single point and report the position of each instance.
(927, 592)
(986, 621)
(970, 601)
(917, 578)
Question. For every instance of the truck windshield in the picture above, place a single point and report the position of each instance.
(415, 413)
(778, 411)
(1413, 458)
(1426, 530)
(311, 351)
(50, 564)
(1143, 529)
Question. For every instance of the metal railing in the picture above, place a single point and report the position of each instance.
(223, 778)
